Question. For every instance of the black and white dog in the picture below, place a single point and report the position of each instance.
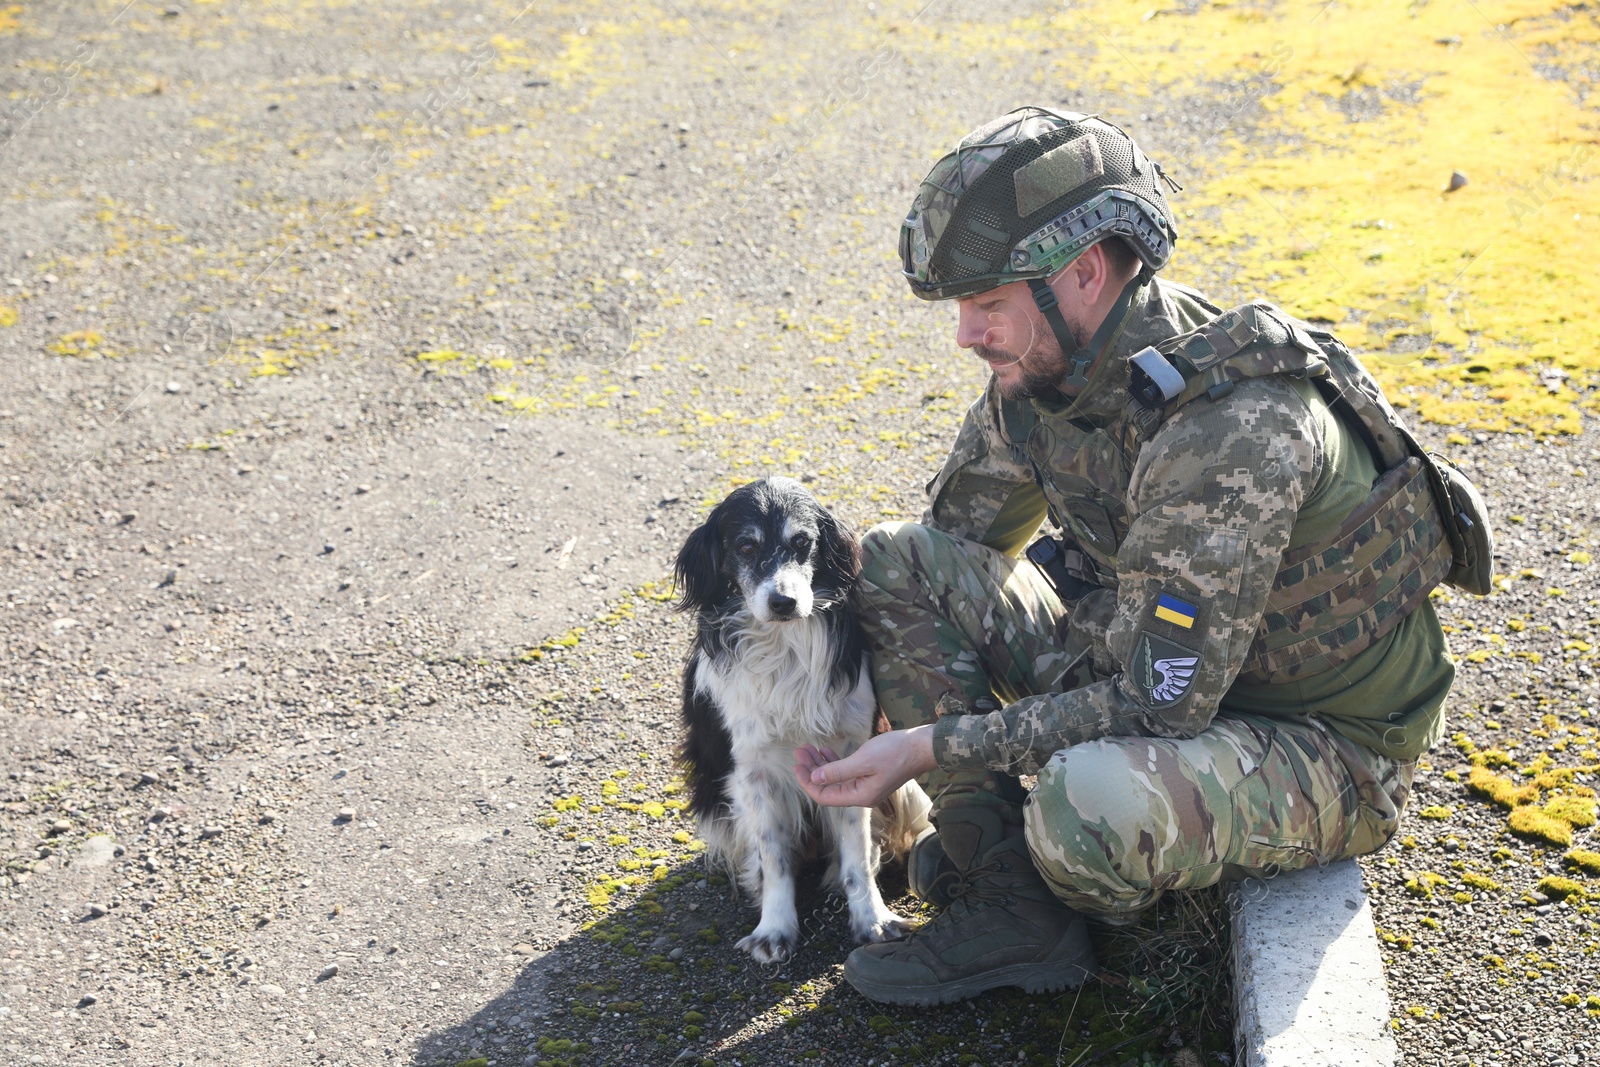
(780, 660)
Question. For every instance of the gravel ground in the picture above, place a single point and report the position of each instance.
(363, 369)
(1489, 935)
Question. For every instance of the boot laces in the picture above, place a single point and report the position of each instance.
(974, 888)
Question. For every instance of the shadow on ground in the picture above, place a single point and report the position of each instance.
(659, 981)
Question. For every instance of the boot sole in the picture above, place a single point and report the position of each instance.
(1032, 977)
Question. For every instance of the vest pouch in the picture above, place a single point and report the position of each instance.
(1471, 539)
(1333, 599)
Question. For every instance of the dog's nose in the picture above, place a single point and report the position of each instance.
(782, 606)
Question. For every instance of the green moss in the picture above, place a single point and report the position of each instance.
(1583, 860)
(1557, 888)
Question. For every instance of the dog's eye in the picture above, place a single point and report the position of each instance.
(800, 542)
(747, 548)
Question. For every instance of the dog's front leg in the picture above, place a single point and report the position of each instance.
(778, 933)
(870, 918)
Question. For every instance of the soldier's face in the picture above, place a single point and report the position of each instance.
(1003, 327)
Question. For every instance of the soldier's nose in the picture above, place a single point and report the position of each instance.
(782, 606)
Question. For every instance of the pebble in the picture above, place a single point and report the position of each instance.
(87, 999)
(267, 818)
(207, 833)
(523, 949)
(346, 814)
(146, 778)
(97, 911)
(676, 954)
(328, 972)
(174, 387)
(1457, 180)
(60, 826)
(559, 761)
(270, 989)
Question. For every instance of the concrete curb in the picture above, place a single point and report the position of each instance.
(1307, 977)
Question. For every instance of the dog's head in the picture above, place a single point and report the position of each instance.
(771, 545)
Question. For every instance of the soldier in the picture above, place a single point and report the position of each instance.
(1225, 667)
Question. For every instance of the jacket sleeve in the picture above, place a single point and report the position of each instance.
(1215, 495)
(984, 493)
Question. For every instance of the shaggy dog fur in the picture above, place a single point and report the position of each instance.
(780, 660)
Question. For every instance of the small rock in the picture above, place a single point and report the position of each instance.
(523, 949)
(270, 989)
(585, 846)
(1543, 940)
(267, 818)
(1457, 180)
(1496, 706)
(147, 778)
(345, 814)
(174, 387)
(676, 954)
(360, 489)
(97, 851)
(87, 999)
(127, 517)
(98, 911)
(559, 761)
(60, 826)
(173, 624)
(328, 972)
(208, 832)
(327, 550)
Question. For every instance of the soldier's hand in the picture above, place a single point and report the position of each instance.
(868, 775)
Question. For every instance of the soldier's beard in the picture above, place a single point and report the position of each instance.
(1040, 370)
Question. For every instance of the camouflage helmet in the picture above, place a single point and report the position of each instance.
(1026, 194)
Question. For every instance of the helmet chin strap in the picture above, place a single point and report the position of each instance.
(1081, 359)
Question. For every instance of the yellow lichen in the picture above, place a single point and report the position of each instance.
(1558, 888)
(1583, 860)
(1530, 821)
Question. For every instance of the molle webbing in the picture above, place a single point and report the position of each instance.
(1333, 600)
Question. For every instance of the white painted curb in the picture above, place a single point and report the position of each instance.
(1307, 978)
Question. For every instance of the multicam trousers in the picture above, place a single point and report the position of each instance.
(1114, 823)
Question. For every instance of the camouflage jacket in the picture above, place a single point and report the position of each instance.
(1186, 531)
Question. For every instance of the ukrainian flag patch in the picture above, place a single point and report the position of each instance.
(1177, 612)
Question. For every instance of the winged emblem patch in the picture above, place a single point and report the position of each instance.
(1175, 674)
(1163, 670)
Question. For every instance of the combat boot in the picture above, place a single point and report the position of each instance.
(1004, 927)
(929, 873)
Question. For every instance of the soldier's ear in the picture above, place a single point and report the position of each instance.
(698, 569)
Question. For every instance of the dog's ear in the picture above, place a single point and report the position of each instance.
(698, 569)
(839, 549)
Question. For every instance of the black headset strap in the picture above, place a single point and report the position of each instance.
(1080, 358)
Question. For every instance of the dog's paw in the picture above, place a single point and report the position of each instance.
(884, 926)
(770, 946)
